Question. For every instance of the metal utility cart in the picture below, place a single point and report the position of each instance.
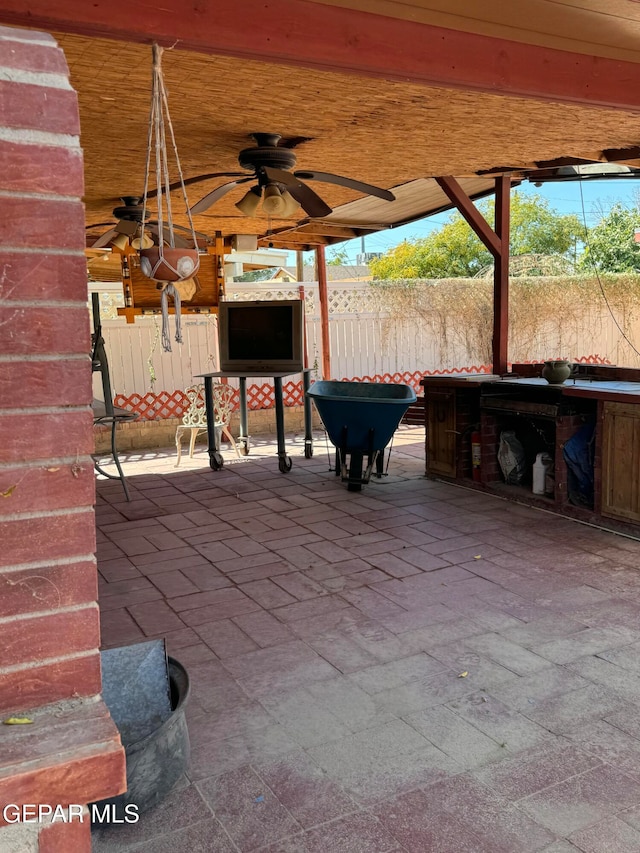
(360, 419)
(284, 460)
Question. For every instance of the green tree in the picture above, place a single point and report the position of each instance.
(611, 245)
(262, 274)
(337, 257)
(454, 251)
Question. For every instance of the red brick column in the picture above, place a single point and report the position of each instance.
(49, 629)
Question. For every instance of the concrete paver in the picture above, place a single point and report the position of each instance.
(416, 667)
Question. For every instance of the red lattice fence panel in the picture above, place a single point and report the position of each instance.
(154, 407)
(167, 404)
(164, 404)
(260, 396)
(293, 393)
(592, 359)
(412, 379)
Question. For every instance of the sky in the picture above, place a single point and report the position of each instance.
(563, 197)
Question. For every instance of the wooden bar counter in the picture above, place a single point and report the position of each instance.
(544, 417)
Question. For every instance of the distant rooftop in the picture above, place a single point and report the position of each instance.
(334, 273)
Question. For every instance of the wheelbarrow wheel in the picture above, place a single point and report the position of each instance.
(355, 473)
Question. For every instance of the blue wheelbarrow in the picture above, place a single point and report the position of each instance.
(360, 419)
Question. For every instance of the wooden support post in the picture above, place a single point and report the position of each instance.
(321, 268)
(497, 242)
(305, 348)
(501, 277)
(299, 267)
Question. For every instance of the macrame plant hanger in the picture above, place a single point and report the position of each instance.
(165, 263)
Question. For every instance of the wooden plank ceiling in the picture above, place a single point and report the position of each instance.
(392, 134)
(608, 28)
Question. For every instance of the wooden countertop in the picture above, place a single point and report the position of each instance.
(609, 390)
(466, 379)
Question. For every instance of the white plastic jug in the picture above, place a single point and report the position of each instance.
(540, 467)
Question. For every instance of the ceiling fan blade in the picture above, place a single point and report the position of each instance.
(360, 186)
(205, 237)
(212, 197)
(309, 200)
(196, 180)
(105, 239)
(100, 225)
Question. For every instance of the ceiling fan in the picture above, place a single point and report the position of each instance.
(281, 188)
(128, 227)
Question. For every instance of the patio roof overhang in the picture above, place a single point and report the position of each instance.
(393, 94)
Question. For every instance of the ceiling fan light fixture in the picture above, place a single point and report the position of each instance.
(249, 202)
(291, 206)
(120, 242)
(273, 202)
(143, 242)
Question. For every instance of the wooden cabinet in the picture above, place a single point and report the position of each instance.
(441, 432)
(548, 416)
(621, 461)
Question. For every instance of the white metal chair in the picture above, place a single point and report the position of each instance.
(195, 418)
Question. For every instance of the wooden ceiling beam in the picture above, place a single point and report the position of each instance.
(290, 247)
(624, 156)
(313, 234)
(290, 233)
(327, 230)
(562, 161)
(338, 39)
(312, 240)
(295, 241)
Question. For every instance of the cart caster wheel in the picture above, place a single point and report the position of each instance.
(217, 461)
(308, 451)
(354, 487)
(245, 448)
(284, 464)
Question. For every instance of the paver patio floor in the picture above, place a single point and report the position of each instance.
(415, 667)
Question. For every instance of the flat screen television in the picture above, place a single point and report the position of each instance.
(261, 337)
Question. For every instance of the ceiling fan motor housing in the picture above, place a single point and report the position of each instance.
(272, 166)
(132, 209)
(266, 153)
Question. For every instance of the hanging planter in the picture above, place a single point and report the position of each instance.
(165, 263)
